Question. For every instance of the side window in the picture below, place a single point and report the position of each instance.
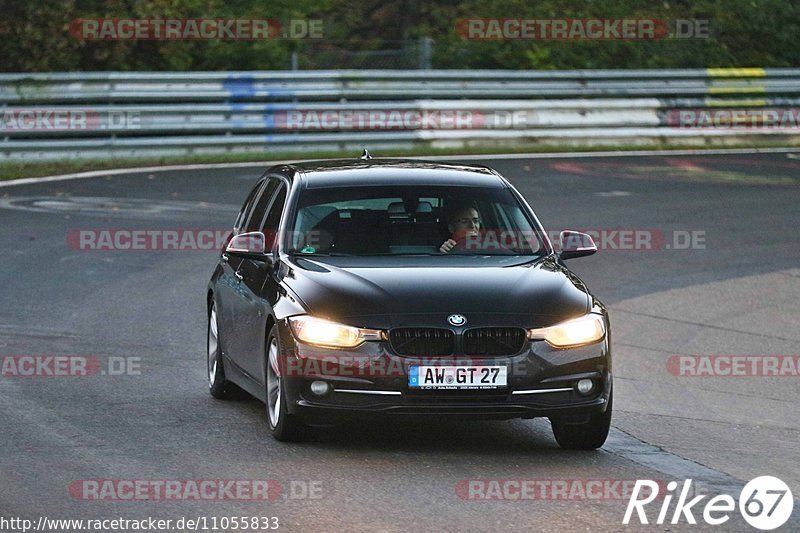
(247, 207)
(273, 217)
(253, 222)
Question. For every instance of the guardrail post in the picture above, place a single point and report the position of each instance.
(425, 45)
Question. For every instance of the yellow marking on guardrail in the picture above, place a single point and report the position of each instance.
(747, 102)
(737, 90)
(736, 72)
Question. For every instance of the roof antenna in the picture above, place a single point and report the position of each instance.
(366, 155)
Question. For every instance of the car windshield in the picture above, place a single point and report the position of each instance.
(412, 220)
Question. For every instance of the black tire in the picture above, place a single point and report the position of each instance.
(284, 427)
(218, 386)
(588, 435)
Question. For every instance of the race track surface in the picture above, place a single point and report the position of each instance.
(720, 276)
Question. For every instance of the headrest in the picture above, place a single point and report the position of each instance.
(396, 208)
(424, 207)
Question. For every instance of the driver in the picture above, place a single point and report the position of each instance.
(464, 221)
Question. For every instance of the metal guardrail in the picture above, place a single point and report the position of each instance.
(350, 85)
(129, 114)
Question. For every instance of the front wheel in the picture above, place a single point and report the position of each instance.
(283, 426)
(588, 435)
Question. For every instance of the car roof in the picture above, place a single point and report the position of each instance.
(355, 172)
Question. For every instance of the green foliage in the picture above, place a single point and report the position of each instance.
(34, 35)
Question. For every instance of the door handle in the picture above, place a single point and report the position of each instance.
(225, 258)
(238, 276)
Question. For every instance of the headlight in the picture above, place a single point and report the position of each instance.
(576, 332)
(320, 332)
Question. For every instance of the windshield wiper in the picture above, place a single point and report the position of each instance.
(402, 254)
(320, 254)
(509, 254)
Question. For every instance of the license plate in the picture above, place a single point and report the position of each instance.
(457, 377)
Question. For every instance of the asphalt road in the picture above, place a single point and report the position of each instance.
(733, 289)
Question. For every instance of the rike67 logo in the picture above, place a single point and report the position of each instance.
(765, 503)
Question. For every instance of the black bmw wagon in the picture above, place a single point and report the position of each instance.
(384, 287)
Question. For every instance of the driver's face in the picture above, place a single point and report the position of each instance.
(466, 221)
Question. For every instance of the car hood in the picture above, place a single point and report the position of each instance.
(387, 292)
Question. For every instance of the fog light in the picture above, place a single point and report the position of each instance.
(320, 388)
(584, 386)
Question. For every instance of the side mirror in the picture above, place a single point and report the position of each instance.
(251, 244)
(576, 244)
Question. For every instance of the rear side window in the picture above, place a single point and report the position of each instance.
(247, 207)
(254, 219)
(273, 218)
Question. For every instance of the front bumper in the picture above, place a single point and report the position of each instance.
(372, 379)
